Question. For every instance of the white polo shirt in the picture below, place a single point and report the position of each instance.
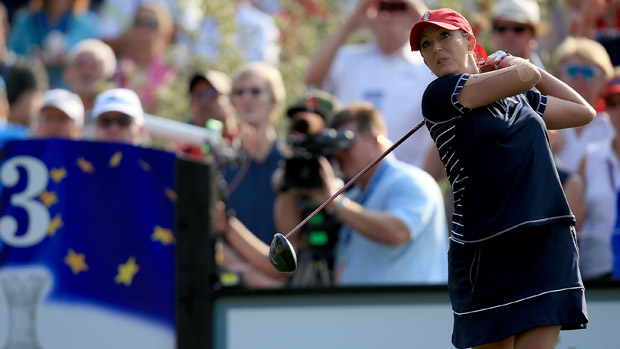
(602, 172)
(393, 83)
(574, 148)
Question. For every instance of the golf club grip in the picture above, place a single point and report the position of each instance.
(352, 180)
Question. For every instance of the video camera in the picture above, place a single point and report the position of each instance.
(302, 170)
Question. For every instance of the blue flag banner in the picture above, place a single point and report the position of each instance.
(86, 245)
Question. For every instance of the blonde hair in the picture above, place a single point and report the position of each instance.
(273, 77)
(102, 52)
(588, 49)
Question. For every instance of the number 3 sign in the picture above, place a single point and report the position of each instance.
(38, 214)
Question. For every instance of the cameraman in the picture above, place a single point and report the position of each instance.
(308, 115)
(394, 228)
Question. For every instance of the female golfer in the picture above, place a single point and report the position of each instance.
(514, 275)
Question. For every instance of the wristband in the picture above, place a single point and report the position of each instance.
(497, 57)
(340, 205)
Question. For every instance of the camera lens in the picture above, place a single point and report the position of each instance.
(301, 126)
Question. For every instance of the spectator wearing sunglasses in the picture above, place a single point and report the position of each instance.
(142, 64)
(585, 66)
(116, 17)
(61, 116)
(257, 95)
(517, 27)
(210, 99)
(119, 117)
(600, 169)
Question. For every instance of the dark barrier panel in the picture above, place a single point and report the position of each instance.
(195, 253)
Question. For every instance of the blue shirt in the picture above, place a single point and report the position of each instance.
(30, 31)
(413, 196)
(253, 199)
(498, 161)
(615, 242)
(10, 131)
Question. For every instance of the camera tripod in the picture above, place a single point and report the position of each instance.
(313, 271)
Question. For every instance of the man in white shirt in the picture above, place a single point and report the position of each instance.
(385, 72)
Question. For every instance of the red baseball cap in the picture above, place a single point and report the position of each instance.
(612, 88)
(445, 18)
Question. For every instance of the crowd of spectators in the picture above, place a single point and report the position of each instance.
(81, 69)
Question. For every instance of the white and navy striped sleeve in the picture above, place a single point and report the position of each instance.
(439, 102)
(537, 101)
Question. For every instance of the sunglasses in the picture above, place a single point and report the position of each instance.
(149, 23)
(206, 94)
(392, 6)
(587, 72)
(122, 121)
(517, 29)
(254, 92)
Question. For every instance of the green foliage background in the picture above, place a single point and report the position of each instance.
(300, 37)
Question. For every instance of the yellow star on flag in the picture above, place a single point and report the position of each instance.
(145, 165)
(163, 235)
(171, 194)
(55, 224)
(75, 261)
(48, 198)
(116, 159)
(126, 272)
(85, 165)
(58, 174)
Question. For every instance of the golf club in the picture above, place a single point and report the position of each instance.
(281, 253)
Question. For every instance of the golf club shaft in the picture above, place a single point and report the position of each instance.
(352, 180)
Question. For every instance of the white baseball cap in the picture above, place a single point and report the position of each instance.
(67, 102)
(121, 100)
(520, 11)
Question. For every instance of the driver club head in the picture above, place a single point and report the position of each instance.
(282, 255)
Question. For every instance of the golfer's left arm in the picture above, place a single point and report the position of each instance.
(565, 107)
